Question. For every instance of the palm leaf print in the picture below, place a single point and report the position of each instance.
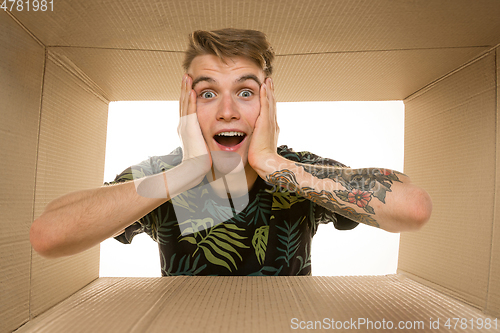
(290, 239)
(188, 269)
(165, 231)
(285, 200)
(160, 228)
(221, 213)
(267, 271)
(186, 200)
(259, 242)
(195, 226)
(258, 210)
(304, 263)
(150, 223)
(219, 245)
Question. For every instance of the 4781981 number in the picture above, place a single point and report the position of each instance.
(27, 5)
(478, 323)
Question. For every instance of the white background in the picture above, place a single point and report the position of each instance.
(358, 134)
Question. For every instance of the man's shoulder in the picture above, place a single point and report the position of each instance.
(157, 164)
(306, 157)
(150, 166)
(165, 162)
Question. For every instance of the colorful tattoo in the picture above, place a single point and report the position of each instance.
(361, 185)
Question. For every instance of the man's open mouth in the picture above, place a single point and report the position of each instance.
(229, 139)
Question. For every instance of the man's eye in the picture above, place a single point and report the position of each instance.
(245, 93)
(207, 94)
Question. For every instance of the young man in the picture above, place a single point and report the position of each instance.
(230, 202)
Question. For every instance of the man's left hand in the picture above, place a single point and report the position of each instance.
(262, 152)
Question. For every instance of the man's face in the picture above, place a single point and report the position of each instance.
(227, 102)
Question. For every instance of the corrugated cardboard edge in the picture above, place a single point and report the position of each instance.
(435, 82)
(491, 303)
(324, 28)
(126, 74)
(87, 83)
(247, 304)
(20, 135)
(24, 28)
(493, 298)
(442, 289)
(451, 136)
(97, 286)
(70, 158)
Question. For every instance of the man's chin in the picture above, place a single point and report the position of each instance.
(225, 162)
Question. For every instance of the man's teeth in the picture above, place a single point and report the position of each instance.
(231, 134)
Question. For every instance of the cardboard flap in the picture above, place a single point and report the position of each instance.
(252, 304)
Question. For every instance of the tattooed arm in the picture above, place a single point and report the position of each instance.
(378, 197)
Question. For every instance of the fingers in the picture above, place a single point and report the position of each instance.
(264, 102)
(192, 100)
(271, 106)
(187, 101)
(189, 130)
(273, 102)
(183, 94)
(268, 104)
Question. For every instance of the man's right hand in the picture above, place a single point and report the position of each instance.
(194, 147)
(196, 159)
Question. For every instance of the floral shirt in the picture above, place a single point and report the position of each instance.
(268, 234)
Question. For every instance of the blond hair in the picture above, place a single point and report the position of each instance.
(228, 43)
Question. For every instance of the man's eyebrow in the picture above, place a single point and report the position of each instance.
(249, 77)
(200, 79)
(239, 80)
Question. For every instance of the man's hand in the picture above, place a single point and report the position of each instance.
(262, 155)
(194, 147)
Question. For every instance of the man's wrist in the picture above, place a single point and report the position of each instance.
(272, 163)
(195, 168)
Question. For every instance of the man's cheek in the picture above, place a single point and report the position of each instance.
(256, 110)
(201, 112)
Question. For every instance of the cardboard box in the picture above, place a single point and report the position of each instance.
(61, 67)
(258, 304)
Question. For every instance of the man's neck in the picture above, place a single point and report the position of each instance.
(234, 184)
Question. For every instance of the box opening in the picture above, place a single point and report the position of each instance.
(140, 129)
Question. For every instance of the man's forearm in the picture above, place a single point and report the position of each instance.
(80, 220)
(377, 197)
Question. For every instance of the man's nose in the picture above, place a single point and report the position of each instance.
(228, 109)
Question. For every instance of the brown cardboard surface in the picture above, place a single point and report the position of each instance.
(293, 25)
(371, 76)
(327, 50)
(21, 70)
(493, 300)
(129, 74)
(450, 151)
(251, 304)
(380, 51)
(71, 157)
(155, 75)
